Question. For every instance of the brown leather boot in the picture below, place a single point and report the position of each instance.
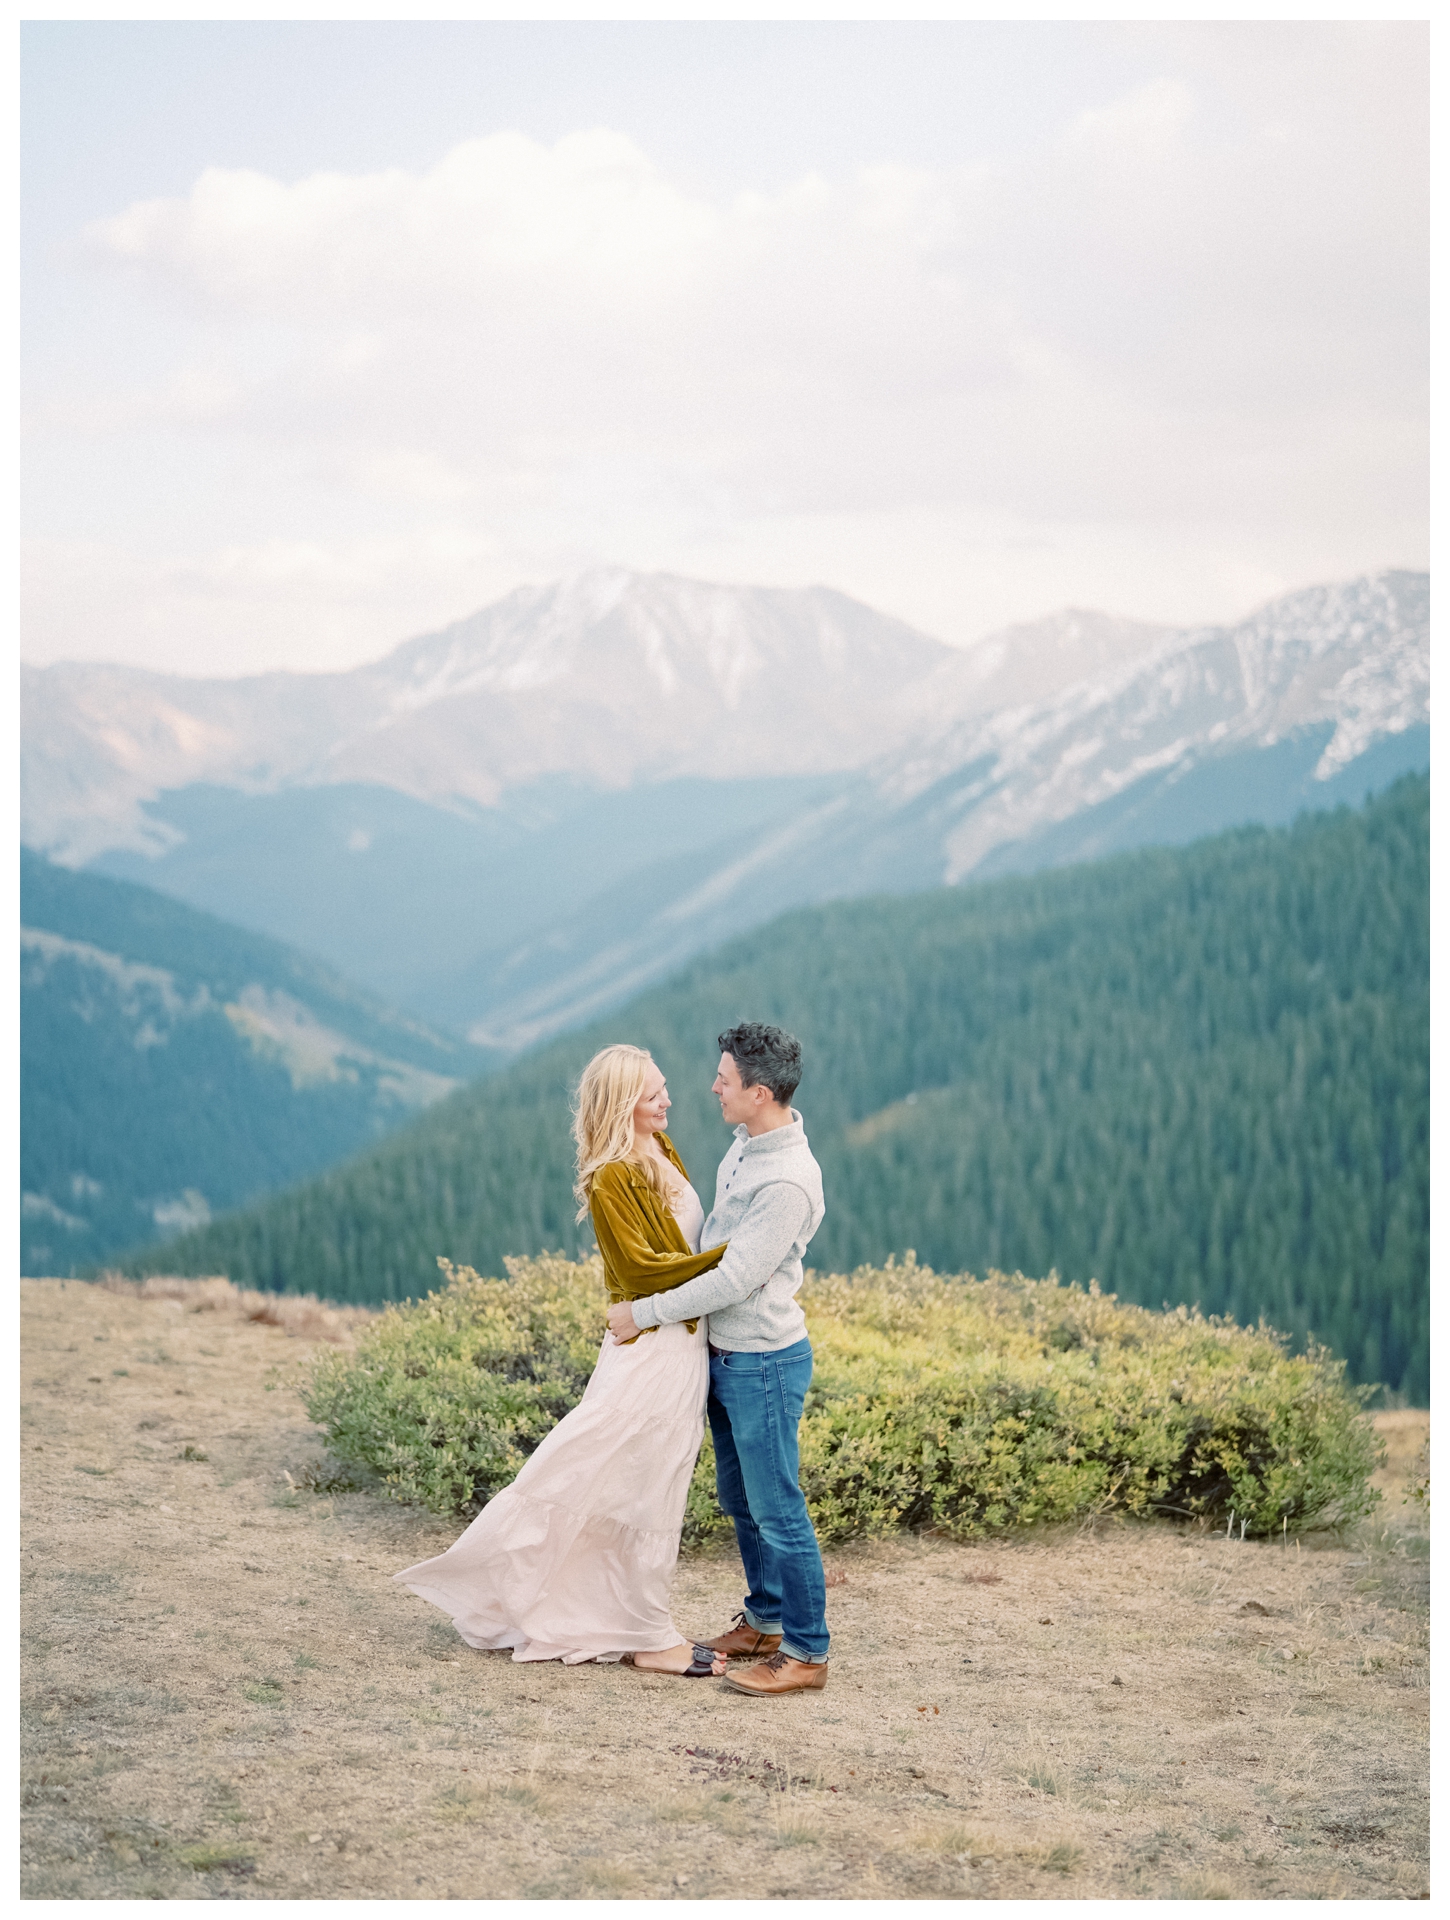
(742, 1641)
(779, 1674)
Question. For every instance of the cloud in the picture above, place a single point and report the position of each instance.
(493, 210)
(1198, 312)
(519, 309)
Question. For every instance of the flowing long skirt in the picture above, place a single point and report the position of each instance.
(574, 1560)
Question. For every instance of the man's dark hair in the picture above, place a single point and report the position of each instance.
(765, 1057)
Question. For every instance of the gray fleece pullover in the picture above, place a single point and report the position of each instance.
(768, 1203)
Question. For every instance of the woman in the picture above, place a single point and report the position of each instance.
(573, 1561)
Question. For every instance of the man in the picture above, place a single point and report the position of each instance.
(768, 1203)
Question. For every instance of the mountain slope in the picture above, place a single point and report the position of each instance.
(610, 678)
(459, 823)
(1315, 701)
(1196, 1074)
(1350, 661)
(171, 1065)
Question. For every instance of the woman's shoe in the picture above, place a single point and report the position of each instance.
(705, 1664)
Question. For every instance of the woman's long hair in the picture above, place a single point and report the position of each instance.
(609, 1091)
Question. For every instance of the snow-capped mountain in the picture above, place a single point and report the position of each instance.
(510, 824)
(1352, 658)
(1313, 700)
(609, 678)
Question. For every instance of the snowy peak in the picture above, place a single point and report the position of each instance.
(608, 628)
(1357, 654)
(609, 677)
(616, 678)
(1027, 664)
(612, 679)
(1351, 661)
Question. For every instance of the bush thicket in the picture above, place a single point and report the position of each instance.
(950, 1404)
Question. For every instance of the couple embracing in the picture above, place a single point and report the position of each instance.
(573, 1561)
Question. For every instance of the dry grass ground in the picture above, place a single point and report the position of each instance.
(225, 1695)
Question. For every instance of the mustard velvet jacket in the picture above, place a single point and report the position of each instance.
(644, 1250)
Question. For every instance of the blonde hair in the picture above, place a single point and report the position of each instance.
(609, 1091)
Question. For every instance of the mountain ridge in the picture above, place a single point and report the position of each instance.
(463, 714)
(1185, 741)
(500, 916)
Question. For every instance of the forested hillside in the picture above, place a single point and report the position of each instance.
(172, 1065)
(1197, 1074)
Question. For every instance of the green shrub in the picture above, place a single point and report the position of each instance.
(446, 1397)
(950, 1404)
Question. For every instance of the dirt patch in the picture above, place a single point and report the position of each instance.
(301, 1314)
(1406, 1436)
(225, 1696)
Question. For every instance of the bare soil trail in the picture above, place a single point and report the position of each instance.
(225, 1696)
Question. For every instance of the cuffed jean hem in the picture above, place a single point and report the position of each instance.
(807, 1659)
(761, 1626)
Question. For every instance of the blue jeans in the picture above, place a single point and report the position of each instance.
(755, 1408)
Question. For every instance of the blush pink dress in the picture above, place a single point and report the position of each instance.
(574, 1560)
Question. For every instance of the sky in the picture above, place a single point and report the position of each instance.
(335, 332)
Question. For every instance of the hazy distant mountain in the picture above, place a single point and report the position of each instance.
(1315, 700)
(610, 678)
(1335, 668)
(607, 680)
(1028, 664)
(509, 825)
(398, 893)
(172, 1065)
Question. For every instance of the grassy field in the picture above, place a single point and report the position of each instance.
(225, 1696)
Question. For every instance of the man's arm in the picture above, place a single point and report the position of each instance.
(773, 1221)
